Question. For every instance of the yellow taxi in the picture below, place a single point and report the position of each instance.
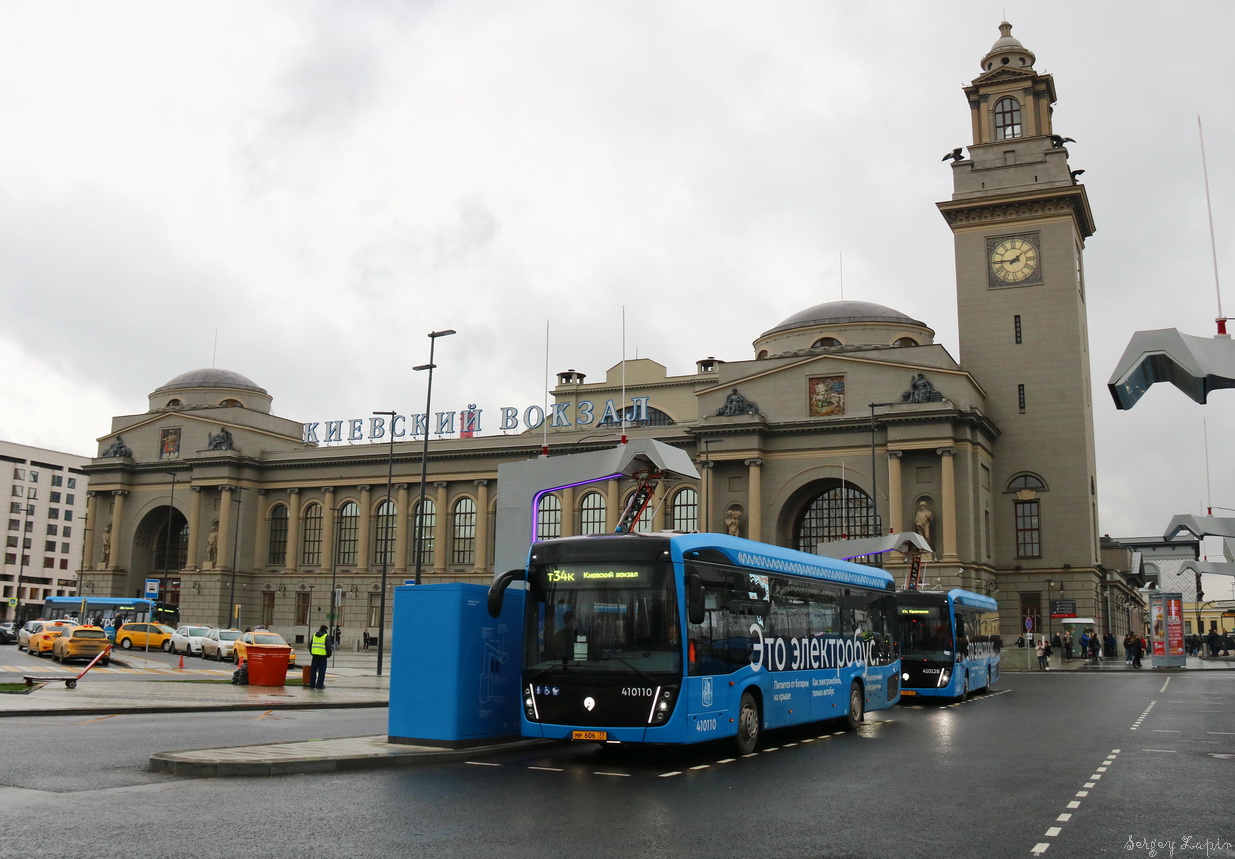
(32, 627)
(40, 642)
(80, 642)
(261, 638)
(144, 636)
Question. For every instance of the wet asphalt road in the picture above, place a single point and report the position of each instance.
(1051, 765)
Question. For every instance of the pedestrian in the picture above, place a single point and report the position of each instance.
(1135, 649)
(1040, 650)
(1128, 648)
(1020, 641)
(1067, 646)
(1213, 642)
(1056, 644)
(319, 649)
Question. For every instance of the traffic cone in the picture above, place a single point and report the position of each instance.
(182, 662)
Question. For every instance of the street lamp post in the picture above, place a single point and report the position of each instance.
(1050, 624)
(876, 528)
(167, 542)
(424, 451)
(384, 537)
(27, 509)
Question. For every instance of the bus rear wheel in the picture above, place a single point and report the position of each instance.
(857, 706)
(748, 724)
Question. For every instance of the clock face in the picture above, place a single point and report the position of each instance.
(1013, 259)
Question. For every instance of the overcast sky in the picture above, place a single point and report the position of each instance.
(301, 191)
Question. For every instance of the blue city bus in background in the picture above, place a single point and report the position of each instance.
(683, 638)
(949, 643)
(89, 609)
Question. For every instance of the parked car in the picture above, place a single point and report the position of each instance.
(144, 636)
(188, 639)
(217, 643)
(39, 643)
(80, 642)
(31, 627)
(261, 638)
(8, 632)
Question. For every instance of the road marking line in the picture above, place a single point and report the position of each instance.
(615, 775)
(548, 769)
(1163, 751)
(1074, 804)
(1090, 784)
(725, 761)
(482, 764)
(1064, 818)
(99, 719)
(670, 775)
(701, 767)
(1053, 831)
(1163, 689)
(1166, 731)
(1040, 848)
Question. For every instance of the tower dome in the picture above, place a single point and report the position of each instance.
(1007, 52)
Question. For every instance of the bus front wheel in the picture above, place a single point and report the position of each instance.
(748, 724)
(856, 706)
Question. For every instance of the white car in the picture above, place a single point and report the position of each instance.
(217, 643)
(188, 639)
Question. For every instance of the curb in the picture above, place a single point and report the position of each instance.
(392, 757)
(192, 708)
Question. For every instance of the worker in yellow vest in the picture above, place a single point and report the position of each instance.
(319, 648)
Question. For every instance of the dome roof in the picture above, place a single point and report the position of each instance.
(211, 377)
(1008, 50)
(840, 312)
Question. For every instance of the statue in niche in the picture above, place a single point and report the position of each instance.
(118, 448)
(733, 520)
(222, 441)
(923, 519)
(107, 545)
(736, 404)
(212, 544)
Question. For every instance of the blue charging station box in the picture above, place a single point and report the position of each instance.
(454, 670)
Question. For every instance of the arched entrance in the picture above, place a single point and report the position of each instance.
(830, 510)
(160, 551)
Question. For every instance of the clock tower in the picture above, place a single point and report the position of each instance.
(1019, 221)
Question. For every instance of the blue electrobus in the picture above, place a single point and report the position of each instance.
(949, 642)
(682, 638)
(89, 609)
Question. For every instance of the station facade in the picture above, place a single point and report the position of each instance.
(845, 420)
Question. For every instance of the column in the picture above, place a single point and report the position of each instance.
(117, 527)
(482, 525)
(92, 519)
(191, 561)
(895, 502)
(291, 558)
(402, 526)
(262, 535)
(568, 511)
(225, 528)
(754, 499)
(613, 503)
(366, 526)
(441, 527)
(948, 469)
(329, 515)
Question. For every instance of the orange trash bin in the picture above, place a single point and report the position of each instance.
(268, 664)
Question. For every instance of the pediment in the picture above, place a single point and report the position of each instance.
(1004, 75)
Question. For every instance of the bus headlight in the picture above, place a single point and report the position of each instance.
(662, 706)
(945, 676)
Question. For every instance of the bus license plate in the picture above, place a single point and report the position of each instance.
(908, 692)
(599, 736)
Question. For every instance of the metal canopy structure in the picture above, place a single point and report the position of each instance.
(1195, 365)
(906, 542)
(1199, 527)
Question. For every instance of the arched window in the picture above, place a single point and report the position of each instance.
(1007, 119)
(905, 341)
(424, 532)
(174, 404)
(838, 512)
(654, 417)
(276, 552)
(592, 514)
(463, 532)
(311, 551)
(685, 510)
(232, 403)
(349, 533)
(763, 353)
(384, 544)
(549, 517)
(1026, 481)
(825, 342)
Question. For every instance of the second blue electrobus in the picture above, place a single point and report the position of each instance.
(949, 643)
(682, 638)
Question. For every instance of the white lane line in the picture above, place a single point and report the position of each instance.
(1040, 848)
(1163, 689)
(1162, 751)
(1053, 831)
(615, 775)
(548, 769)
(482, 764)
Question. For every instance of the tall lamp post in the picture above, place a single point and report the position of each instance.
(876, 528)
(167, 543)
(233, 616)
(1050, 623)
(424, 450)
(27, 509)
(385, 538)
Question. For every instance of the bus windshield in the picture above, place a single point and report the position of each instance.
(926, 633)
(606, 618)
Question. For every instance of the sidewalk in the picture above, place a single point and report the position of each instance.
(1013, 661)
